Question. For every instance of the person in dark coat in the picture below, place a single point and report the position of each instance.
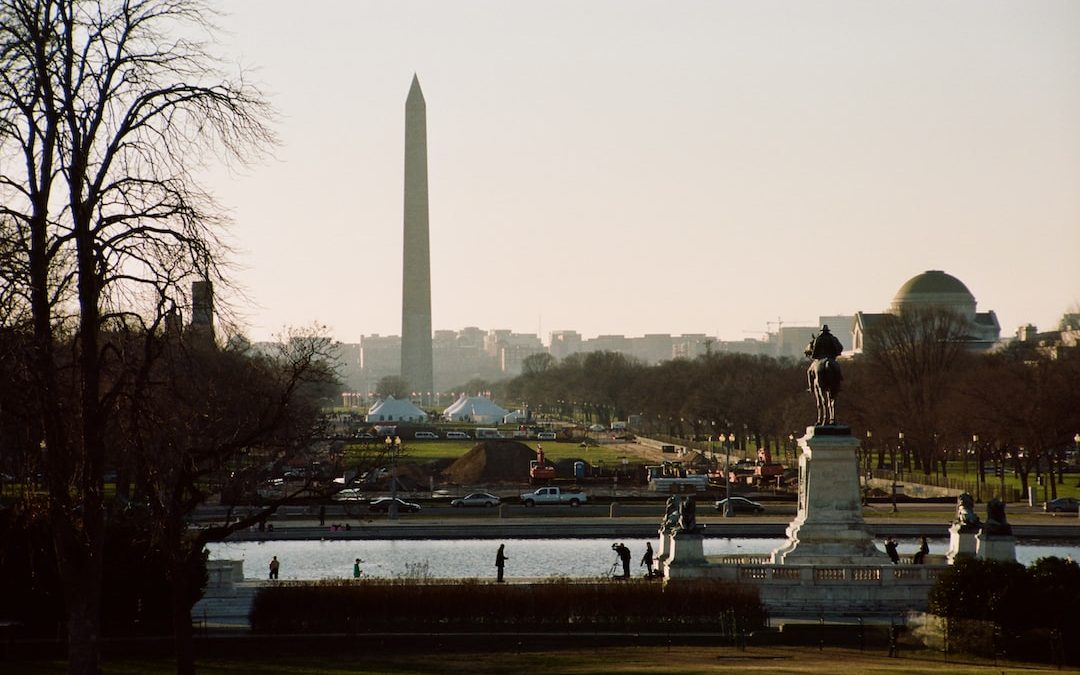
(647, 559)
(624, 556)
(890, 548)
(920, 555)
(500, 561)
(274, 567)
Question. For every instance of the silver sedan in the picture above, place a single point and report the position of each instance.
(477, 499)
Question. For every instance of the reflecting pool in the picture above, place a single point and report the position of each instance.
(464, 558)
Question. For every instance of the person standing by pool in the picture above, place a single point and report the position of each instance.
(647, 560)
(500, 561)
(274, 567)
(920, 555)
(356, 569)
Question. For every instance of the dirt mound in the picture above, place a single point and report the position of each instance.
(492, 462)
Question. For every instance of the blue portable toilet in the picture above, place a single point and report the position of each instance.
(579, 469)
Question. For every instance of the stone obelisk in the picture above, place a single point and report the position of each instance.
(416, 362)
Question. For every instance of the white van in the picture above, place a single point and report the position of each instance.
(457, 435)
(546, 436)
(425, 434)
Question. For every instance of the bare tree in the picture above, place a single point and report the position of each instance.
(203, 419)
(106, 108)
(914, 356)
(392, 385)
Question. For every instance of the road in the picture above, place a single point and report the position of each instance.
(438, 520)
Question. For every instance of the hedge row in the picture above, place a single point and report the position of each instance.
(470, 605)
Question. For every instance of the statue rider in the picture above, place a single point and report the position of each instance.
(823, 346)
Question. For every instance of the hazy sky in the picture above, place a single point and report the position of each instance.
(660, 167)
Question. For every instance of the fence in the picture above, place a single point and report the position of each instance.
(984, 492)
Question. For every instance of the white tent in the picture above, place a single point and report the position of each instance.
(514, 417)
(475, 409)
(391, 409)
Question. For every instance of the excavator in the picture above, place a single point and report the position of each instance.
(539, 469)
(766, 470)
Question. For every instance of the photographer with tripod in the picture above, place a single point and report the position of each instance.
(624, 557)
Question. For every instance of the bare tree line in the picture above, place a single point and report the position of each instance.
(917, 387)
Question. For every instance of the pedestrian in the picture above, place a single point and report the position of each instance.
(274, 567)
(322, 516)
(920, 555)
(500, 561)
(890, 548)
(647, 559)
(356, 568)
(624, 556)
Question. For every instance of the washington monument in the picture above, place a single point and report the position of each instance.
(416, 368)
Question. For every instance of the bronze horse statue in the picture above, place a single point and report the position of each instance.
(824, 376)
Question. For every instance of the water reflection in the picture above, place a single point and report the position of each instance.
(464, 558)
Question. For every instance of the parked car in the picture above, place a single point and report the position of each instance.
(458, 435)
(382, 505)
(553, 495)
(477, 499)
(425, 434)
(1062, 505)
(349, 495)
(740, 505)
(546, 436)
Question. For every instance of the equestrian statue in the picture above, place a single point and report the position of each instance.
(823, 377)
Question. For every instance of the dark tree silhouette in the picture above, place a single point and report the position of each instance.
(105, 110)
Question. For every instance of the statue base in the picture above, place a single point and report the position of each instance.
(686, 559)
(996, 547)
(962, 542)
(828, 528)
(663, 550)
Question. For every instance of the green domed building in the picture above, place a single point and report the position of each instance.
(935, 288)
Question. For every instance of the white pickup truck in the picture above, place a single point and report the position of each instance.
(553, 495)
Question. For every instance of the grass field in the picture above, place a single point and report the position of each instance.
(614, 660)
(424, 451)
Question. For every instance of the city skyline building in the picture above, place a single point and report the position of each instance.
(416, 350)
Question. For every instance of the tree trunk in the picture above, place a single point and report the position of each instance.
(183, 639)
(82, 627)
(80, 569)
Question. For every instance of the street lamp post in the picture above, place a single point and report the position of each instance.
(978, 467)
(900, 442)
(867, 454)
(727, 477)
(393, 447)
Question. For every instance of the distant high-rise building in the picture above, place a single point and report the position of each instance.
(202, 311)
(416, 360)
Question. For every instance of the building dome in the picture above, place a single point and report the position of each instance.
(935, 288)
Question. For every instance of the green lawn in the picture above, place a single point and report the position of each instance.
(1070, 487)
(615, 660)
(424, 451)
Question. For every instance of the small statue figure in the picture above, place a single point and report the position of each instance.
(671, 514)
(996, 524)
(688, 515)
(823, 376)
(965, 513)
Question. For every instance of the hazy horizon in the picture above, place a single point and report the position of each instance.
(644, 167)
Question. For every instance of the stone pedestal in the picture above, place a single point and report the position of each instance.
(962, 542)
(664, 549)
(995, 547)
(828, 528)
(686, 557)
